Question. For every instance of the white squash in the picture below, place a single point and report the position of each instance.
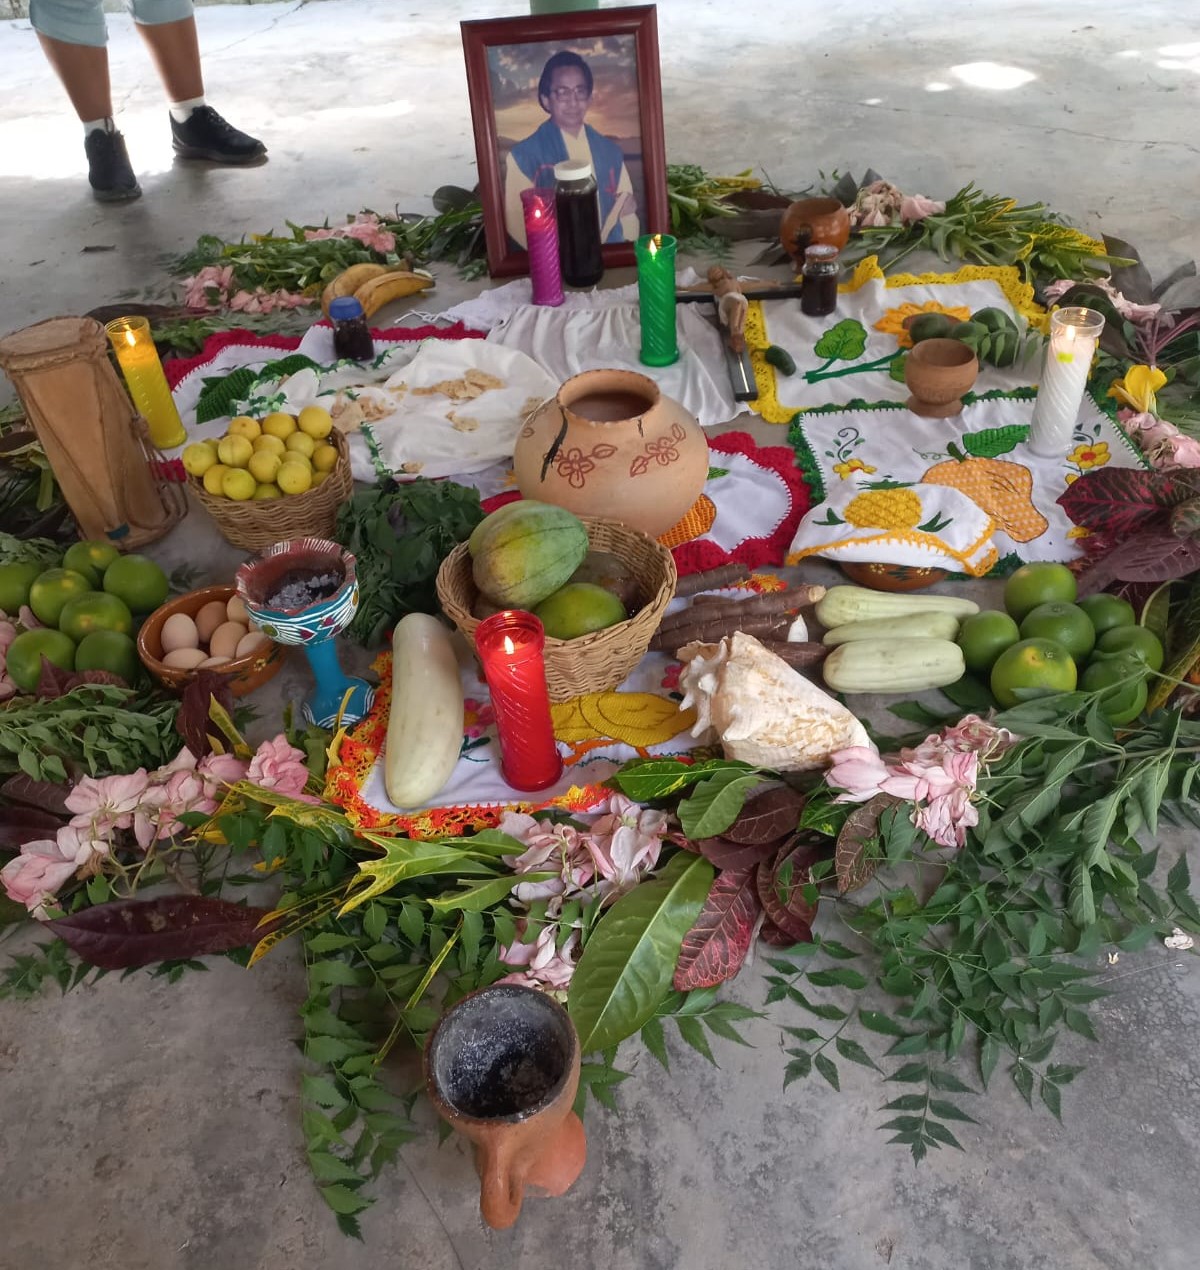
(425, 726)
(841, 605)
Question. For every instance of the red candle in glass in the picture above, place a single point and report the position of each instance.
(510, 646)
(541, 233)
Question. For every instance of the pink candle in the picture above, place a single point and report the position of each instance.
(510, 646)
(541, 233)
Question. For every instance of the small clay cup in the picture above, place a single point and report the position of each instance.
(812, 221)
(937, 373)
(502, 1069)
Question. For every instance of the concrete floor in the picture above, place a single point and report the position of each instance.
(154, 1128)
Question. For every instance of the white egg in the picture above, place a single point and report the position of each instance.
(226, 638)
(184, 658)
(251, 643)
(211, 663)
(209, 618)
(179, 631)
(235, 610)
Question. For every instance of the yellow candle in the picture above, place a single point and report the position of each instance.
(138, 359)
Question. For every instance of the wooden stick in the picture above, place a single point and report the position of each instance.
(711, 632)
(712, 580)
(799, 656)
(718, 607)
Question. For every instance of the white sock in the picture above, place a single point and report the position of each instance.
(181, 110)
(98, 125)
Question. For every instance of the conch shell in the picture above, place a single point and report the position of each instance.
(760, 709)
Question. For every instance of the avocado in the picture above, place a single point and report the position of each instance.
(929, 326)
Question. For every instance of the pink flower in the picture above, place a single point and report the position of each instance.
(1161, 442)
(220, 770)
(8, 632)
(108, 802)
(1131, 312)
(36, 875)
(873, 216)
(915, 207)
(859, 771)
(545, 964)
(978, 735)
(551, 848)
(27, 619)
(670, 679)
(625, 843)
(478, 716)
(365, 228)
(278, 765)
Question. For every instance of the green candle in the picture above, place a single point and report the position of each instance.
(656, 298)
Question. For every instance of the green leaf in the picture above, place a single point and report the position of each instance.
(911, 1073)
(482, 895)
(1079, 1023)
(837, 977)
(798, 1068)
(803, 1033)
(828, 1069)
(948, 1111)
(629, 961)
(412, 924)
(327, 942)
(334, 974)
(1023, 1079)
(404, 859)
(853, 1051)
(946, 1081)
(716, 803)
(1052, 1096)
(939, 1133)
(342, 1199)
(656, 1041)
(1081, 904)
(906, 1102)
(819, 1008)
(881, 1023)
(693, 1033)
(990, 443)
(322, 1091)
(328, 1168)
(647, 780)
(375, 921)
(332, 1049)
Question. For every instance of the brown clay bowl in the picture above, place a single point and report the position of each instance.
(937, 373)
(244, 675)
(891, 577)
(812, 221)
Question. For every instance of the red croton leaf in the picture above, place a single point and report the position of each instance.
(19, 825)
(192, 721)
(768, 817)
(850, 860)
(1119, 501)
(1144, 557)
(714, 949)
(56, 682)
(735, 855)
(131, 933)
(781, 882)
(769, 933)
(46, 795)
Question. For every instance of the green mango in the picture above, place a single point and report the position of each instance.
(929, 326)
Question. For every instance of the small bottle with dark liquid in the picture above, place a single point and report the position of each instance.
(818, 298)
(577, 208)
(351, 334)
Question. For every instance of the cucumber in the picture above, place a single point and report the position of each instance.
(781, 359)
(933, 624)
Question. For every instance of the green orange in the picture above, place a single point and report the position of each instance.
(1032, 668)
(111, 651)
(25, 653)
(1121, 679)
(95, 611)
(138, 581)
(50, 593)
(15, 580)
(1136, 640)
(984, 636)
(1038, 583)
(92, 555)
(1066, 624)
(1108, 612)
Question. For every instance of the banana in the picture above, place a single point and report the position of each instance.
(348, 281)
(385, 288)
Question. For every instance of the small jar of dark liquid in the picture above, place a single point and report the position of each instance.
(351, 334)
(818, 297)
(577, 208)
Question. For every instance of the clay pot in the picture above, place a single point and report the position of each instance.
(610, 445)
(810, 221)
(502, 1069)
(937, 373)
(891, 577)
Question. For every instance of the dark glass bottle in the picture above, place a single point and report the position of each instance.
(818, 298)
(577, 208)
(351, 334)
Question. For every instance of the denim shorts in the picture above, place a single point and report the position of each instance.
(82, 21)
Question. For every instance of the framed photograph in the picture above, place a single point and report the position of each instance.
(568, 86)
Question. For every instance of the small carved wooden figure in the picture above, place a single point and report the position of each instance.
(731, 306)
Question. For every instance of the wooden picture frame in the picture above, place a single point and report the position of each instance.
(506, 64)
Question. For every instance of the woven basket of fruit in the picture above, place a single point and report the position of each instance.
(593, 662)
(266, 482)
(208, 629)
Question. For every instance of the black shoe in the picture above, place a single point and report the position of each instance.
(109, 171)
(205, 135)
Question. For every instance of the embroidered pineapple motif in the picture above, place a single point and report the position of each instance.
(884, 509)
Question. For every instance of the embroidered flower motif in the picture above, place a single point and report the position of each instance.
(670, 679)
(892, 322)
(1071, 478)
(1078, 532)
(850, 466)
(478, 716)
(1090, 455)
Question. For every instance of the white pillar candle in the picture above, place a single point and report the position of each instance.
(1074, 334)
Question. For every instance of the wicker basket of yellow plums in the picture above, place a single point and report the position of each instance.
(267, 480)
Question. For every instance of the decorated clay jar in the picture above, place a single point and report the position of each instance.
(811, 222)
(609, 444)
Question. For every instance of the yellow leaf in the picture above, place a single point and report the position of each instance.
(640, 719)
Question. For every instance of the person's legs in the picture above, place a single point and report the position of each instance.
(73, 36)
(175, 50)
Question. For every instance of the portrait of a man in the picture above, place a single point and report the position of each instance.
(554, 104)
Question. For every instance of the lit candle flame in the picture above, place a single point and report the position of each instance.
(654, 245)
(1070, 335)
(509, 646)
(130, 338)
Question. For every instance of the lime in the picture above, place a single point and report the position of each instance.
(1032, 668)
(294, 477)
(199, 457)
(1136, 640)
(93, 553)
(272, 445)
(300, 443)
(238, 484)
(95, 611)
(315, 421)
(25, 653)
(234, 451)
(15, 581)
(244, 426)
(1040, 583)
(213, 477)
(1107, 612)
(138, 581)
(1121, 679)
(1066, 624)
(578, 609)
(929, 326)
(111, 651)
(263, 466)
(984, 636)
(278, 425)
(52, 590)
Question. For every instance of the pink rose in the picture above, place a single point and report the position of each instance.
(278, 765)
(220, 770)
(36, 875)
(915, 207)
